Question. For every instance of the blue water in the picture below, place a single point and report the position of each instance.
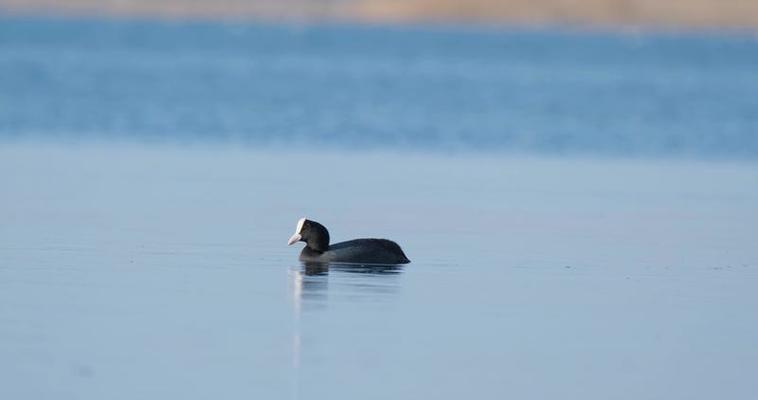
(423, 89)
(152, 172)
(157, 272)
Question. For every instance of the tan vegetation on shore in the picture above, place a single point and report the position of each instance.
(683, 13)
(655, 13)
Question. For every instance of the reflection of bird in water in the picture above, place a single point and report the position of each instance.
(310, 281)
(313, 268)
(310, 286)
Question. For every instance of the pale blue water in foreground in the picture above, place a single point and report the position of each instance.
(581, 211)
(164, 273)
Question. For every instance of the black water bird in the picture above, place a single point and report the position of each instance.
(357, 251)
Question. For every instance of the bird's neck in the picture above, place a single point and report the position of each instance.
(318, 246)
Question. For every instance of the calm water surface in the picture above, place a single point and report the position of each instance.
(129, 272)
(548, 92)
(571, 233)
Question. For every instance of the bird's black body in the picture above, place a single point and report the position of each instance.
(357, 251)
(361, 251)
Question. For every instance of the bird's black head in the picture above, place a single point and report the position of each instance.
(312, 233)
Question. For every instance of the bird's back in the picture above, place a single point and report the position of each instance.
(361, 251)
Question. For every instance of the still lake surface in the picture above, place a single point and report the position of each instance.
(580, 209)
(352, 87)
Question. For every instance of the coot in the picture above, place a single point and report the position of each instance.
(357, 251)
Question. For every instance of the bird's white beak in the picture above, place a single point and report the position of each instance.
(294, 239)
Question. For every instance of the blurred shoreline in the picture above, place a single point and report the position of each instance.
(605, 14)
